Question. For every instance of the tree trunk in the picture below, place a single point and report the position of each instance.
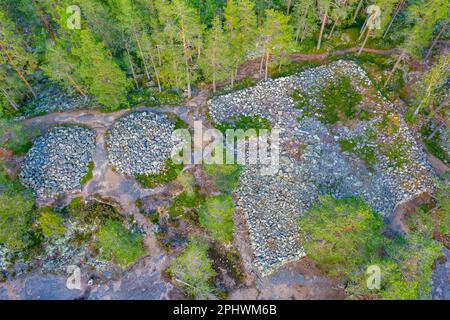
(444, 27)
(288, 7)
(365, 40)
(130, 61)
(21, 76)
(214, 82)
(11, 102)
(397, 63)
(186, 62)
(396, 12)
(324, 20)
(363, 28)
(443, 104)
(358, 8)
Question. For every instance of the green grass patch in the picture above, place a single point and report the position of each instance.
(117, 244)
(194, 271)
(245, 123)
(87, 218)
(216, 216)
(169, 173)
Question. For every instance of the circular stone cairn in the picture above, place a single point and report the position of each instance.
(58, 161)
(140, 143)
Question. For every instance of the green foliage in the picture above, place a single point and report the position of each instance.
(215, 62)
(193, 270)
(277, 35)
(150, 98)
(118, 244)
(88, 176)
(52, 224)
(414, 257)
(434, 144)
(304, 19)
(189, 200)
(15, 137)
(241, 31)
(395, 152)
(428, 91)
(216, 216)
(340, 235)
(362, 147)
(106, 82)
(338, 99)
(16, 63)
(169, 173)
(344, 237)
(86, 218)
(225, 176)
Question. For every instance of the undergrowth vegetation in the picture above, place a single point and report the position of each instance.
(344, 237)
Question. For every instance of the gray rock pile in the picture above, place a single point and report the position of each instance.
(57, 161)
(140, 143)
(312, 162)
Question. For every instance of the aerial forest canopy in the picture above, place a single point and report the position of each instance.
(106, 50)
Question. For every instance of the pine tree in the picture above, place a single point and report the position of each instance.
(423, 16)
(276, 37)
(13, 51)
(10, 90)
(215, 63)
(304, 19)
